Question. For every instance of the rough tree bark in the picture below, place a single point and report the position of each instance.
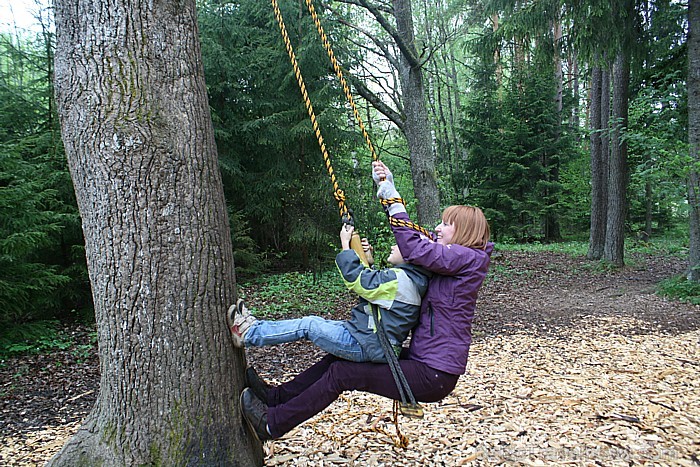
(599, 169)
(416, 124)
(139, 140)
(614, 251)
(693, 273)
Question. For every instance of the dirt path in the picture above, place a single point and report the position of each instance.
(569, 366)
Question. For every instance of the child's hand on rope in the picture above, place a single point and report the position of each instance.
(381, 173)
(346, 235)
(368, 249)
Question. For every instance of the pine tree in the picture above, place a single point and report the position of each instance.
(42, 263)
(273, 171)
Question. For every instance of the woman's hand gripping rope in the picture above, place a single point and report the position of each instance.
(387, 192)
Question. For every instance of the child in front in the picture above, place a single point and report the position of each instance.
(397, 290)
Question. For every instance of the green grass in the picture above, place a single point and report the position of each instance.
(573, 248)
(676, 246)
(671, 245)
(502, 271)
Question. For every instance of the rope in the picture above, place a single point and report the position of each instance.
(341, 77)
(356, 113)
(401, 222)
(399, 440)
(337, 192)
(411, 225)
(339, 195)
(409, 405)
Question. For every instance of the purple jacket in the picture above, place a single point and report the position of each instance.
(443, 335)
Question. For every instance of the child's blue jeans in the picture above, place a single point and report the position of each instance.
(329, 335)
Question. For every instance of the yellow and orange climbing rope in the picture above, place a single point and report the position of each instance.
(338, 193)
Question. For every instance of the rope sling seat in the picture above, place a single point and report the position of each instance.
(408, 405)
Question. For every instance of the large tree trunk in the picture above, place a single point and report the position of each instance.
(694, 137)
(617, 182)
(139, 140)
(416, 124)
(599, 169)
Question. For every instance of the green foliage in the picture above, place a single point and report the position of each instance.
(33, 337)
(657, 130)
(27, 228)
(575, 178)
(515, 150)
(680, 288)
(247, 259)
(522, 164)
(597, 28)
(673, 243)
(278, 296)
(42, 262)
(272, 168)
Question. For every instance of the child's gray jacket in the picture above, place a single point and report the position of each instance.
(397, 291)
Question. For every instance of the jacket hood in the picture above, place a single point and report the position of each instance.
(419, 275)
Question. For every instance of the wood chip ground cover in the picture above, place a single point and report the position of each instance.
(568, 367)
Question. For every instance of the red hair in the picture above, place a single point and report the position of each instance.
(471, 227)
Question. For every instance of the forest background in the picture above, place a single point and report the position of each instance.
(563, 120)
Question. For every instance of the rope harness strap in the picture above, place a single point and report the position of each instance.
(409, 407)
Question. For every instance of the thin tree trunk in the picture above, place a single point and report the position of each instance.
(140, 146)
(596, 243)
(649, 211)
(552, 229)
(605, 122)
(693, 272)
(575, 119)
(453, 95)
(497, 52)
(618, 176)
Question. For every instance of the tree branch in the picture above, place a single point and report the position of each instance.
(377, 103)
(385, 8)
(385, 52)
(400, 43)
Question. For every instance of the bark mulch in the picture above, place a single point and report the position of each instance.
(569, 366)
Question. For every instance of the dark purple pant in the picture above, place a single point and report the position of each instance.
(317, 387)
